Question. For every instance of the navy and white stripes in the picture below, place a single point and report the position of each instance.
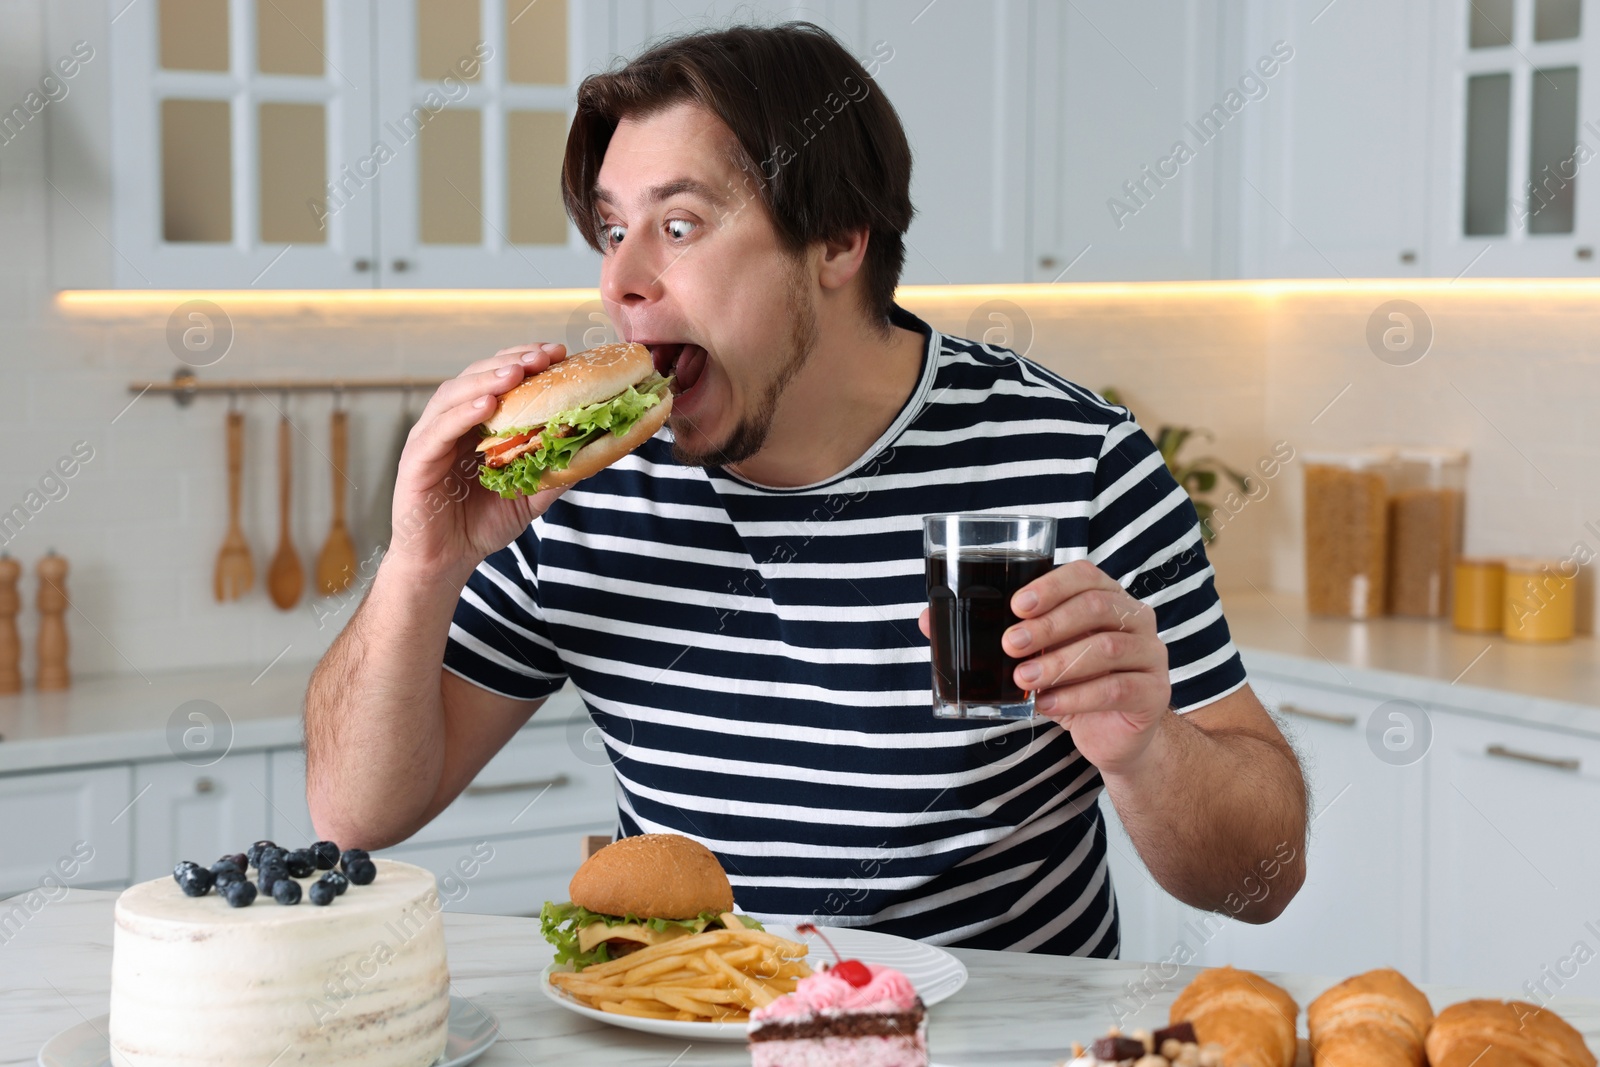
(753, 661)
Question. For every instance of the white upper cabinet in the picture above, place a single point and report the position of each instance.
(1516, 103)
(957, 75)
(475, 98)
(338, 143)
(1333, 168)
(1130, 123)
(230, 119)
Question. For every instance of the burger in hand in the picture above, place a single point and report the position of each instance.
(637, 892)
(572, 420)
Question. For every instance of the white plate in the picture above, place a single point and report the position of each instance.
(934, 973)
(472, 1031)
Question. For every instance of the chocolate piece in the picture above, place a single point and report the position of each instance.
(1111, 1049)
(1183, 1032)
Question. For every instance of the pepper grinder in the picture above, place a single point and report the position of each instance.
(10, 642)
(53, 673)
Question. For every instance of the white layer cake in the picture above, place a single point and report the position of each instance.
(360, 981)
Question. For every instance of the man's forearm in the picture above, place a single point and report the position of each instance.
(375, 726)
(1219, 817)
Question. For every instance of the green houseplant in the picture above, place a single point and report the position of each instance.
(1198, 476)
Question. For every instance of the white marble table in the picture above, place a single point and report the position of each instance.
(1018, 1010)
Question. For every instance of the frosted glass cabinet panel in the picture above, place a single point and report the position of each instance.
(238, 134)
(475, 98)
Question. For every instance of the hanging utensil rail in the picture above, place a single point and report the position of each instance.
(185, 386)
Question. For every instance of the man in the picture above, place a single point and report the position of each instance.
(738, 601)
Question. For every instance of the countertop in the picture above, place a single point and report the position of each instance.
(116, 718)
(1018, 1010)
(1554, 685)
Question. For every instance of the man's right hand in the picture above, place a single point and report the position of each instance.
(445, 522)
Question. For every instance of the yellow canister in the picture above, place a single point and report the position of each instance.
(1480, 594)
(1540, 601)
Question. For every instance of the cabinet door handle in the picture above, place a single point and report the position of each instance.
(518, 787)
(1320, 716)
(1502, 752)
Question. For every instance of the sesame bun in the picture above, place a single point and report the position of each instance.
(601, 453)
(653, 876)
(582, 378)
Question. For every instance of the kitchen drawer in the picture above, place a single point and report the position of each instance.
(502, 876)
(535, 783)
(71, 827)
(197, 813)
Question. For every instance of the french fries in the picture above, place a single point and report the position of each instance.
(716, 976)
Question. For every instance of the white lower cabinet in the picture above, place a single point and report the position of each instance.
(182, 812)
(511, 840)
(503, 876)
(1513, 860)
(64, 828)
(1361, 904)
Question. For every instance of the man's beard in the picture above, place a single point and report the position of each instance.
(749, 434)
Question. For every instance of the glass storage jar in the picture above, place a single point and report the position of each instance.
(1347, 531)
(1426, 509)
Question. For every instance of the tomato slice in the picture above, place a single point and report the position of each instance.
(508, 444)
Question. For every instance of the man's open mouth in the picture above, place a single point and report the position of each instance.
(684, 361)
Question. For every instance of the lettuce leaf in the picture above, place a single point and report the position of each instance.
(560, 924)
(617, 416)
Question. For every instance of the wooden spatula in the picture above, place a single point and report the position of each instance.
(236, 571)
(336, 565)
(285, 576)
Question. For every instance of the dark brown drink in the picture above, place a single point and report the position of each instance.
(968, 614)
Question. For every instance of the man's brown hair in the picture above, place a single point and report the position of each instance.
(816, 141)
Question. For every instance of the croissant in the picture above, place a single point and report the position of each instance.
(1497, 1033)
(1377, 1019)
(1252, 1019)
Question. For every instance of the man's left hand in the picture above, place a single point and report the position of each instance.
(1094, 661)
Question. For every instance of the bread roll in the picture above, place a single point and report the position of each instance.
(1498, 1033)
(652, 876)
(1252, 1019)
(1377, 1019)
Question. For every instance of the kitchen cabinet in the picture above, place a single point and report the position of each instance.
(65, 827)
(197, 813)
(1515, 95)
(229, 124)
(323, 144)
(957, 76)
(1120, 86)
(1361, 906)
(512, 839)
(1334, 178)
(1364, 859)
(478, 118)
(1512, 858)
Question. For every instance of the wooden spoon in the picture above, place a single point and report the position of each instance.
(284, 577)
(236, 570)
(336, 565)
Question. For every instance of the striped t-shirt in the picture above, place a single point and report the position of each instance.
(752, 658)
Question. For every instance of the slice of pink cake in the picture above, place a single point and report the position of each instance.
(850, 1015)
